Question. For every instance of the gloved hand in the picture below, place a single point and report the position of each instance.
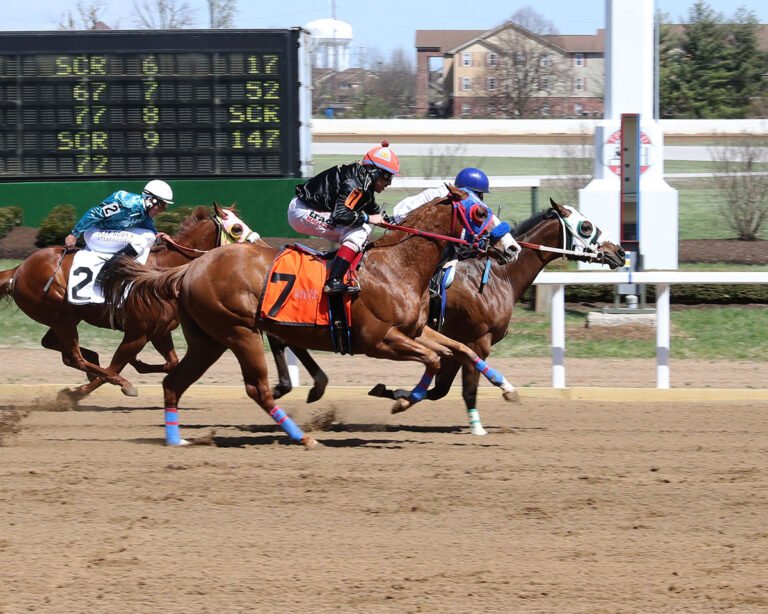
(70, 241)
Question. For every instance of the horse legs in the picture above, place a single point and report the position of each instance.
(446, 347)
(284, 385)
(448, 370)
(470, 378)
(202, 352)
(51, 342)
(129, 347)
(248, 347)
(164, 345)
(72, 356)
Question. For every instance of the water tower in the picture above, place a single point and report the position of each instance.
(331, 39)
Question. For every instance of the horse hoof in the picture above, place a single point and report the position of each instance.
(379, 390)
(182, 442)
(130, 390)
(315, 394)
(478, 430)
(309, 442)
(400, 406)
(511, 396)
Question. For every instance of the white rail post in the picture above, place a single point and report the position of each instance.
(293, 367)
(558, 336)
(662, 336)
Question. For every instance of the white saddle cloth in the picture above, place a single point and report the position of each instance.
(86, 265)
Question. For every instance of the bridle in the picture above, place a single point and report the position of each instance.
(192, 252)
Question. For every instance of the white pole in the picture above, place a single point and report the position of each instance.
(558, 336)
(662, 336)
(293, 367)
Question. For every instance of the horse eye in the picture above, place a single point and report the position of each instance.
(236, 230)
(480, 214)
(585, 229)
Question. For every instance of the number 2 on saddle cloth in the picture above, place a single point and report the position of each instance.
(294, 296)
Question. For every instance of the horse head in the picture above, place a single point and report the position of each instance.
(232, 229)
(472, 213)
(583, 236)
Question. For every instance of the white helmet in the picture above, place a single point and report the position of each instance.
(157, 190)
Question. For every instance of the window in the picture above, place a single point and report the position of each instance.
(493, 59)
(466, 83)
(466, 59)
(492, 109)
(492, 84)
(545, 109)
(578, 59)
(465, 109)
(578, 109)
(544, 84)
(545, 60)
(579, 84)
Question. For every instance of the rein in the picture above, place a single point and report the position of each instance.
(179, 247)
(424, 233)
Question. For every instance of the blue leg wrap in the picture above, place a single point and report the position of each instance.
(287, 424)
(418, 393)
(491, 374)
(172, 435)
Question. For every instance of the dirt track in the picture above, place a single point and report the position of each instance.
(576, 506)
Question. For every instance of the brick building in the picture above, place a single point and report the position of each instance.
(462, 73)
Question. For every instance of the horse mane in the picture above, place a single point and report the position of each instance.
(199, 214)
(526, 225)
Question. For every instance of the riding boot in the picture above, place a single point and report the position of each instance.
(335, 283)
(128, 250)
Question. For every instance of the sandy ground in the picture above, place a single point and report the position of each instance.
(577, 506)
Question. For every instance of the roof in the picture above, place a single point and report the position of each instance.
(579, 43)
(443, 40)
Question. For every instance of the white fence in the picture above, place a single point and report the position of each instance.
(662, 279)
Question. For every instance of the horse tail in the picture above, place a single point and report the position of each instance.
(6, 284)
(131, 287)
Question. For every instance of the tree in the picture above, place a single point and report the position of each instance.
(527, 66)
(86, 16)
(396, 83)
(222, 13)
(163, 14)
(712, 67)
(743, 186)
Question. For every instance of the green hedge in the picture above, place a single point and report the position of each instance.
(10, 217)
(56, 226)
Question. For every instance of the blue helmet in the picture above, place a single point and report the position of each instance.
(473, 179)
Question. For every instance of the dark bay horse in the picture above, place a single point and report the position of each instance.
(218, 298)
(38, 286)
(479, 320)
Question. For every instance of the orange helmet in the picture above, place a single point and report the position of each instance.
(384, 158)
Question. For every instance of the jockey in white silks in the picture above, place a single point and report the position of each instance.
(472, 179)
(123, 223)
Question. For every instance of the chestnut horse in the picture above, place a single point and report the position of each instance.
(481, 320)
(218, 298)
(38, 286)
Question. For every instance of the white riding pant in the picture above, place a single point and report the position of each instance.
(111, 241)
(302, 218)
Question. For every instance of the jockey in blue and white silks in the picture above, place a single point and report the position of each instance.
(123, 222)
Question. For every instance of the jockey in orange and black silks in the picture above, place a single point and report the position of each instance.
(339, 204)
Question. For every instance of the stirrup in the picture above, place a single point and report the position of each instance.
(336, 286)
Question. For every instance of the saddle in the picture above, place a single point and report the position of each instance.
(293, 294)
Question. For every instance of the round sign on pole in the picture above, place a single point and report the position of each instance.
(611, 154)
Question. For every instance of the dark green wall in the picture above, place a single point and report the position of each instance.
(263, 203)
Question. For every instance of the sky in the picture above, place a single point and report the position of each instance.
(381, 26)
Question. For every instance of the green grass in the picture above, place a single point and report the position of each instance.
(724, 333)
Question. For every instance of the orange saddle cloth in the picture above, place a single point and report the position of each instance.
(294, 292)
